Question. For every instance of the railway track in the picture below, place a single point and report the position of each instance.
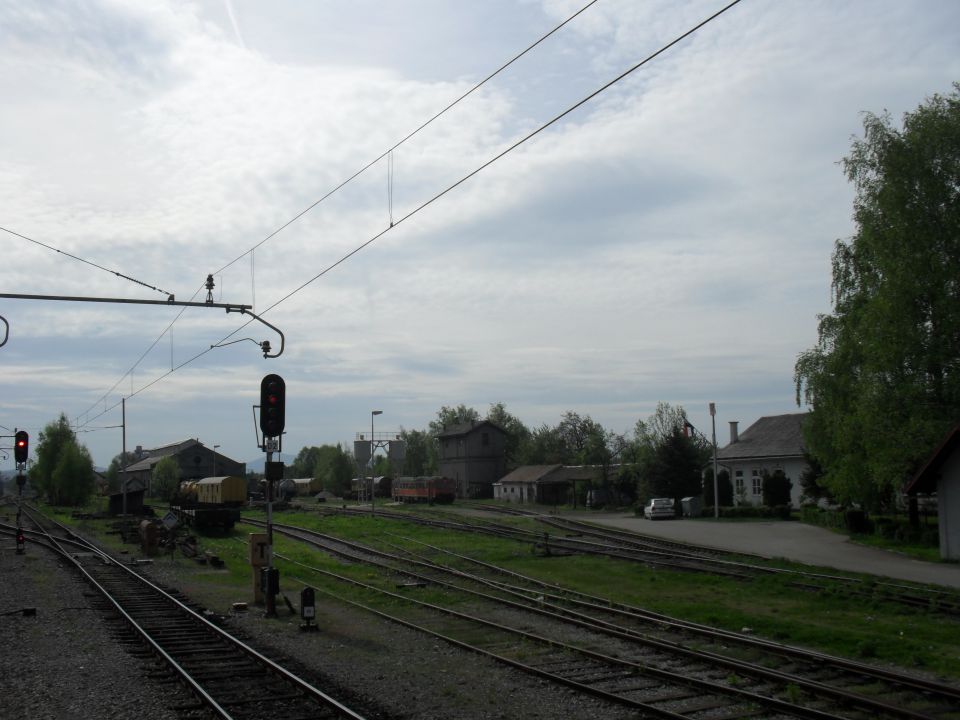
(228, 678)
(586, 538)
(626, 655)
(915, 596)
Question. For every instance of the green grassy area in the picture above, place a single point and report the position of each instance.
(837, 623)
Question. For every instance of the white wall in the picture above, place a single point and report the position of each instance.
(948, 513)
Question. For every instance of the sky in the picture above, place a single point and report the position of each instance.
(667, 241)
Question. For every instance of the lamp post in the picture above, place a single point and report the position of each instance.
(373, 448)
(716, 496)
(215, 460)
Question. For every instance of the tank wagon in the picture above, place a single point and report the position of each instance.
(424, 489)
(360, 487)
(210, 503)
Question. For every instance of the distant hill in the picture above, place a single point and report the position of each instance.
(256, 466)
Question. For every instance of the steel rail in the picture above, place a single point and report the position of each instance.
(301, 684)
(596, 625)
(664, 675)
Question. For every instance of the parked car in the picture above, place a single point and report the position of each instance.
(659, 508)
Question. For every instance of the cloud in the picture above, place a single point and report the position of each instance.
(668, 241)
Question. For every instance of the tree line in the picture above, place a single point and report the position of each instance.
(883, 380)
(661, 457)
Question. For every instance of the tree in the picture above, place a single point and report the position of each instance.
(448, 416)
(420, 454)
(724, 488)
(119, 462)
(304, 464)
(883, 380)
(776, 488)
(338, 472)
(673, 470)
(165, 479)
(73, 480)
(811, 487)
(518, 434)
(63, 470)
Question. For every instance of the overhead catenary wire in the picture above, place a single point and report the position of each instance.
(351, 178)
(87, 262)
(449, 189)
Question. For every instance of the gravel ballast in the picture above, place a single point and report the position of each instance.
(64, 662)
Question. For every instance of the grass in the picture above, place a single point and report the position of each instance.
(833, 622)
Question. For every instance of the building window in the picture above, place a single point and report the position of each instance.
(757, 482)
(738, 482)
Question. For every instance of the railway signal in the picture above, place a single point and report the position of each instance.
(21, 542)
(21, 446)
(273, 392)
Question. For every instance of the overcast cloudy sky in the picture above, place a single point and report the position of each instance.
(668, 241)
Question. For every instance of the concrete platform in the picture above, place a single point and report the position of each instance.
(794, 541)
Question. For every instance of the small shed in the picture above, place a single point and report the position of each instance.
(941, 475)
(134, 503)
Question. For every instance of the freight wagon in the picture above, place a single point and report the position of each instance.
(210, 503)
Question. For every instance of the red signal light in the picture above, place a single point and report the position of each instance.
(272, 396)
(21, 446)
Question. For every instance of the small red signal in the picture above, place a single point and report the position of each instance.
(21, 446)
(272, 396)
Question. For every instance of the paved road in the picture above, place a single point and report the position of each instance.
(791, 540)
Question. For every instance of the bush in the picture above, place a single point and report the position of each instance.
(780, 512)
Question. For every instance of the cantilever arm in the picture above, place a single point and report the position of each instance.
(265, 345)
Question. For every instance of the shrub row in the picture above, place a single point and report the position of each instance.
(779, 512)
(858, 522)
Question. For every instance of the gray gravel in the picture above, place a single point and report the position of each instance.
(64, 664)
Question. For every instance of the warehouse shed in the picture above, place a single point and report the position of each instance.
(941, 476)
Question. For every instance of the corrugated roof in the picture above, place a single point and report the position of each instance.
(529, 473)
(773, 436)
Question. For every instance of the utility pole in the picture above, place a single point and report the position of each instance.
(123, 456)
(373, 449)
(716, 496)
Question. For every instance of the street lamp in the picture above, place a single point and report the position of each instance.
(373, 448)
(215, 460)
(716, 483)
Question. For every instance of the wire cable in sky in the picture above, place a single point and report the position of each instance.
(400, 142)
(444, 192)
(385, 153)
(87, 262)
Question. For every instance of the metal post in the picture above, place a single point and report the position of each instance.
(123, 456)
(716, 484)
(373, 449)
(271, 600)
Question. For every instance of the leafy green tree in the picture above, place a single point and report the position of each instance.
(305, 463)
(724, 488)
(448, 416)
(518, 434)
(116, 465)
(776, 488)
(811, 487)
(546, 447)
(338, 472)
(165, 479)
(73, 480)
(673, 470)
(883, 380)
(63, 470)
(421, 455)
